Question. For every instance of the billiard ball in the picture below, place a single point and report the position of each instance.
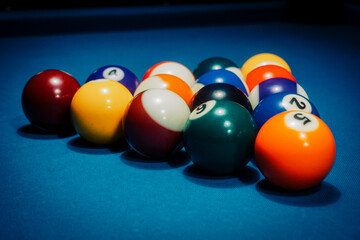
(220, 91)
(172, 68)
(263, 73)
(238, 73)
(169, 82)
(97, 110)
(116, 73)
(46, 100)
(263, 59)
(273, 86)
(295, 150)
(219, 137)
(281, 102)
(219, 76)
(154, 123)
(213, 63)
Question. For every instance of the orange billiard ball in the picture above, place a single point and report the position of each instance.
(169, 82)
(172, 68)
(97, 111)
(295, 150)
(263, 73)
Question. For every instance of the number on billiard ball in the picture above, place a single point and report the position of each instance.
(281, 102)
(220, 91)
(273, 86)
(116, 73)
(219, 136)
(295, 150)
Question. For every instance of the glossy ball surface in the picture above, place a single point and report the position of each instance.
(116, 73)
(219, 76)
(213, 63)
(281, 102)
(238, 73)
(273, 86)
(263, 59)
(219, 137)
(154, 123)
(220, 91)
(172, 68)
(46, 100)
(295, 150)
(169, 82)
(263, 73)
(97, 111)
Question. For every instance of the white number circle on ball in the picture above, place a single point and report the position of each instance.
(202, 109)
(113, 73)
(295, 102)
(301, 121)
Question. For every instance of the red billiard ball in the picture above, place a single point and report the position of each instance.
(295, 150)
(154, 123)
(46, 100)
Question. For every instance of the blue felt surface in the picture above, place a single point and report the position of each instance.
(58, 187)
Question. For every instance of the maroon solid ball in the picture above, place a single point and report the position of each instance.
(46, 99)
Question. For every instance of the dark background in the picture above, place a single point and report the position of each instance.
(69, 15)
(304, 11)
(24, 4)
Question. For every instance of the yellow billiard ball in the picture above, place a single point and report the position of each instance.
(263, 59)
(97, 110)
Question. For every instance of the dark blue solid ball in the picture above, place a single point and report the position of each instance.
(222, 76)
(117, 73)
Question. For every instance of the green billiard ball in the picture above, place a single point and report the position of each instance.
(213, 63)
(219, 136)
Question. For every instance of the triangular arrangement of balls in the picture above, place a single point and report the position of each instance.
(223, 115)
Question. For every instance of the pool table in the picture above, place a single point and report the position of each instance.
(60, 187)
